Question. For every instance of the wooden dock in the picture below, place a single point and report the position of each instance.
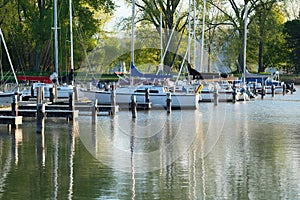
(13, 121)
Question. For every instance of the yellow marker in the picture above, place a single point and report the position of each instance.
(199, 88)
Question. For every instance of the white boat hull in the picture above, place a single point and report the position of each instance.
(123, 98)
(6, 98)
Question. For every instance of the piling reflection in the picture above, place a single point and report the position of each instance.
(182, 155)
(17, 139)
(159, 138)
(40, 148)
(73, 133)
(7, 152)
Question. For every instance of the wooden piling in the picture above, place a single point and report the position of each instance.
(113, 99)
(284, 89)
(263, 91)
(233, 93)
(133, 106)
(55, 92)
(147, 95)
(292, 88)
(273, 90)
(94, 112)
(254, 89)
(38, 93)
(14, 105)
(40, 117)
(216, 97)
(71, 101)
(169, 102)
(51, 95)
(71, 105)
(75, 93)
(32, 91)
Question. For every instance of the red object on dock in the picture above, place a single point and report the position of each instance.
(43, 79)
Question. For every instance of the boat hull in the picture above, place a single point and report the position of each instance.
(6, 98)
(158, 100)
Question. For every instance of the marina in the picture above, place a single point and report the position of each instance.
(230, 151)
(152, 102)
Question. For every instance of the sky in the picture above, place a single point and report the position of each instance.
(122, 10)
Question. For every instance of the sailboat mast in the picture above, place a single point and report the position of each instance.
(71, 40)
(189, 33)
(161, 42)
(194, 32)
(202, 36)
(132, 31)
(245, 40)
(55, 38)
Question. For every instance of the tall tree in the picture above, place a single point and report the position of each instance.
(29, 26)
(235, 18)
(266, 32)
(149, 13)
(292, 29)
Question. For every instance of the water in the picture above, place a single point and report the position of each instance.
(247, 150)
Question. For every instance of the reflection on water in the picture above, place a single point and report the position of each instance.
(247, 150)
(152, 141)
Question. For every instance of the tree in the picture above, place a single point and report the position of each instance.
(149, 13)
(266, 32)
(28, 24)
(234, 18)
(292, 29)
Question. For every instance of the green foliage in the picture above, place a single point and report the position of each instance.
(27, 26)
(292, 30)
(266, 43)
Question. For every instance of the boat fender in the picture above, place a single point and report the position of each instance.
(199, 88)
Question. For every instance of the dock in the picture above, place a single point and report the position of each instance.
(11, 121)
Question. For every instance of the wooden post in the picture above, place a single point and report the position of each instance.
(40, 117)
(75, 93)
(292, 88)
(32, 91)
(42, 94)
(273, 90)
(133, 106)
(284, 89)
(113, 99)
(94, 112)
(254, 89)
(147, 95)
(51, 95)
(71, 105)
(169, 102)
(71, 101)
(216, 97)
(55, 92)
(233, 93)
(38, 95)
(14, 105)
(263, 91)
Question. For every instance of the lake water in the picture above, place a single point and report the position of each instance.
(247, 150)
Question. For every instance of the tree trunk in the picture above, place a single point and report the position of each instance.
(260, 57)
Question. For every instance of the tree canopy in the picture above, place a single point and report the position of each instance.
(27, 26)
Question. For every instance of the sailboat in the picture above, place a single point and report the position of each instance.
(6, 96)
(157, 93)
